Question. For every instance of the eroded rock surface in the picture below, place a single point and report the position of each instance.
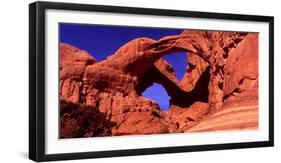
(221, 79)
(73, 63)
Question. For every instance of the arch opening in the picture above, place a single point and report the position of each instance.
(178, 60)
(158, 93)
(158, 82)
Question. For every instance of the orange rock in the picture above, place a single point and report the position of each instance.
(73, 62)
(242, 67)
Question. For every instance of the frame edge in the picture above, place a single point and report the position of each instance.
(271, 80)
(32, 82)
(37, 82)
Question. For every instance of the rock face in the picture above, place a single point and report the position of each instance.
(222, 79)
(73, 62)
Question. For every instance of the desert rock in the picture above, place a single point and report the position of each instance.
(215, 83)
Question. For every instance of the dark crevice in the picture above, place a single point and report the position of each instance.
(199, 93)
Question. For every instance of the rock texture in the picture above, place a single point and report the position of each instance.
(218, 91)
(73, 62)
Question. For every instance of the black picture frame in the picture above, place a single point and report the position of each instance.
(37, 80)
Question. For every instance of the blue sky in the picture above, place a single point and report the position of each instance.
(158, 94)
(101, 41)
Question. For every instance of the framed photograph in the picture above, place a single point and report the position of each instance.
(110, 81)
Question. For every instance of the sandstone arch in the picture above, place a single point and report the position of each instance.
(207, 49)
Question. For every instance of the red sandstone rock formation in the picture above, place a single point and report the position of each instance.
(222, 79)
(73, 62)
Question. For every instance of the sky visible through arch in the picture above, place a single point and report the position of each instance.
(101, 41)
